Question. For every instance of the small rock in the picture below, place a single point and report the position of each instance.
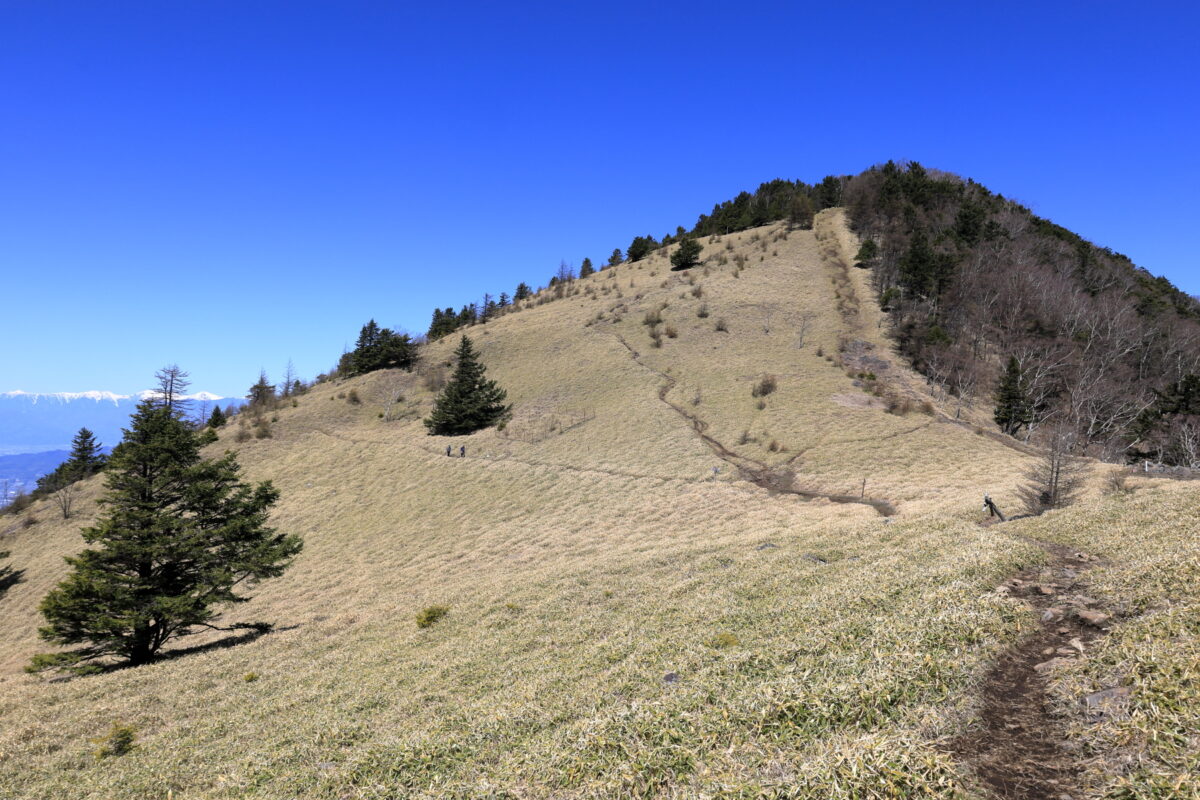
(815, 559)
(1076, 643)
(1063, 631)
(1046, 666)
(766, 546)
(671, 677)
(1096, 618)
(1051, 614)
(1106, 702)
(1047, 590)
(1065, 651)
(1049, 651)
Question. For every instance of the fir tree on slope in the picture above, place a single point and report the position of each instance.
(469, 402)
(687, 255)
(180, 536)
(1013, 409)
(87, 454)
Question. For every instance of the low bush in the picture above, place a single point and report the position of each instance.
(430, 615)
(723, 641)
(118, 741)
(764, 387)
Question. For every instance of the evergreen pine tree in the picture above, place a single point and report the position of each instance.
(616, 258)
(217, 418)
(523, 291)
(87, 455)
(469, 401)
(179, 536)
(687, 255)
(1013, 409)
(586, 268)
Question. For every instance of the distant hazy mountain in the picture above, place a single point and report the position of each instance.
(20, 472)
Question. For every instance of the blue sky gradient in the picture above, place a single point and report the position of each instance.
(230, 185)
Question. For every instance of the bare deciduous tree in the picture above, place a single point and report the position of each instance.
(173, 384)
(64, 493)
(1055, 479)
(806, 320)
(390, 390)
(289, 380)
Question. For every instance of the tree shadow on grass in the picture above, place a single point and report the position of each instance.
(10, 578)
(247, 633)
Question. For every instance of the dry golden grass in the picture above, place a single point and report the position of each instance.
(622, 620)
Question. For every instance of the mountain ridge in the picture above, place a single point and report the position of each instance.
(631, 610)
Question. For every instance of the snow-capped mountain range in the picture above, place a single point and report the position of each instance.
(34, 424)
(110, 397)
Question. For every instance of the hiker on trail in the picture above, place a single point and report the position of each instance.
(462, 451)
(447, 451)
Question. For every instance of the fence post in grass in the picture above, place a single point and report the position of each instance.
(992, 509)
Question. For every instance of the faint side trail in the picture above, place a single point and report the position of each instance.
(1020, 749)
(749, 469)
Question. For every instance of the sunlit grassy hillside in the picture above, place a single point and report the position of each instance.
(629, 614)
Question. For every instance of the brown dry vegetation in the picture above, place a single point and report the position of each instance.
(629, 616)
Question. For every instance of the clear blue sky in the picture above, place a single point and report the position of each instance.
(229, 184)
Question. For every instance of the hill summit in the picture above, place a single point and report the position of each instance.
(728, 542)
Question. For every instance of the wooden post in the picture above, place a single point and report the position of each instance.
(992, 509)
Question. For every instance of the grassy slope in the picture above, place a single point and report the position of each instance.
(583, 566)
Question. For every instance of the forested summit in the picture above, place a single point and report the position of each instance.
(990, 301)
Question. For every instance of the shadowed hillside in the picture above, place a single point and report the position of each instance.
(727, 545)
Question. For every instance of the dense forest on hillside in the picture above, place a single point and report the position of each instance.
(975, 282)
(979, 288)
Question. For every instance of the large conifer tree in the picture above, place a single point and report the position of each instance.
(470, 401)
(181, 537)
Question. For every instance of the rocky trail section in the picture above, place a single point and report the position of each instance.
(1020, 749)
